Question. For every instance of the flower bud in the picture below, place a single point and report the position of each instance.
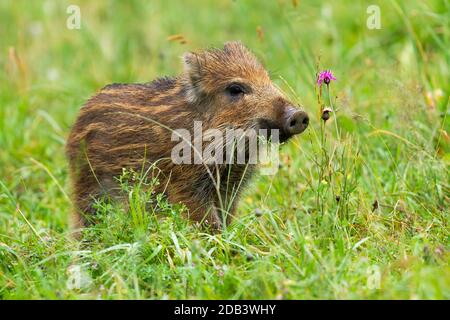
(326, 113)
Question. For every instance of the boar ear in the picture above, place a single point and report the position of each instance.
(239, 51)
(192, 65)
(192, 71)
(232, 44)
(235, 46)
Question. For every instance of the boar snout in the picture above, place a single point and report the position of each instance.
(296, 121)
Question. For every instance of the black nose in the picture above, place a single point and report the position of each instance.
(297, 122)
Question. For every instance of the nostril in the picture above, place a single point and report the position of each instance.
(305, 121)
(293, 123)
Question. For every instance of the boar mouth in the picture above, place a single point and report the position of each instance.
(270, 125)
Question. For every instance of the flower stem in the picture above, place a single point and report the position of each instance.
(338, 134)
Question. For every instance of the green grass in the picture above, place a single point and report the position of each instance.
(392, 101)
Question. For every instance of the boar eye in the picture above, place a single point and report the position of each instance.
(235, 89)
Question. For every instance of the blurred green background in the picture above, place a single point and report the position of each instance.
(392, 97)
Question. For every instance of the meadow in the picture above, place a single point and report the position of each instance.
(359, 208)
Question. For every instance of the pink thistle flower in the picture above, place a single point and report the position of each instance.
(325, 77)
